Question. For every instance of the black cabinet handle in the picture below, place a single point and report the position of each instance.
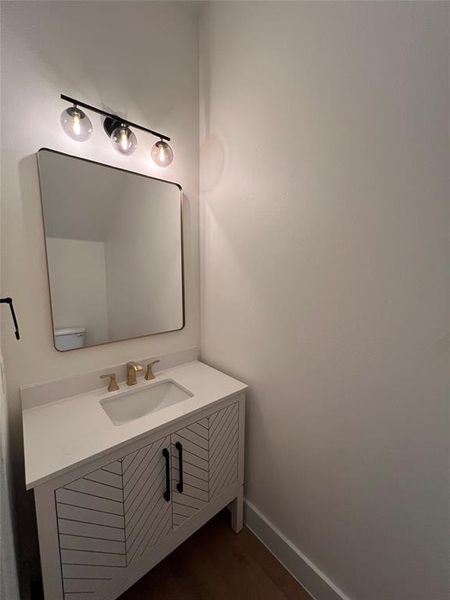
(167, 492)
(179, 447)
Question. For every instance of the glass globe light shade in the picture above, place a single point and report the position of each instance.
(76, 124)
(123, 139)
(162, 154)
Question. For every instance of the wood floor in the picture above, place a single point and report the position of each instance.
(217, 564)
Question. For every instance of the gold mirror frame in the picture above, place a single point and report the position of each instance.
(46, 251)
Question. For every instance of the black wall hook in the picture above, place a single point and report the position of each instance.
(13, 314)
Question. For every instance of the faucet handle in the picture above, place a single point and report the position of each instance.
(150, 375)
(112, 386)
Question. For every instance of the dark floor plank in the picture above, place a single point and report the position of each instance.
(217, 564)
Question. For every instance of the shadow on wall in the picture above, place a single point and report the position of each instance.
(212, 161)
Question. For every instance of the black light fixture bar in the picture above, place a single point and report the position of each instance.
(114, 117)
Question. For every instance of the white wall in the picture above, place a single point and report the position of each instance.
(78, 283)
(76, 48)
(324, 153)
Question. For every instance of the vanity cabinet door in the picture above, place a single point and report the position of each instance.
(147, 510)
(208, 452)
(108, 518)
(190, 485)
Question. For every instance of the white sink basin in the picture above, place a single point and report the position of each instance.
(135, 404)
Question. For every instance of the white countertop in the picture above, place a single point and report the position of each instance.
(68, 432)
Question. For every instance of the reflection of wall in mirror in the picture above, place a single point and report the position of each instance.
(78, 286)
(143, 260)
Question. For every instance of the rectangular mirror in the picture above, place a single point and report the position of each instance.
(114, 251)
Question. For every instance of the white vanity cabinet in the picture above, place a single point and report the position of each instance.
(104, 524)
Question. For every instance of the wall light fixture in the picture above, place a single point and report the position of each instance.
(76, 123)
(162, 153)
(122, 138)
(78, 126)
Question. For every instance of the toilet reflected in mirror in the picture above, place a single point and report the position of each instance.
(69, 338)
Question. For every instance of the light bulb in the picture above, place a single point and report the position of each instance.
(162, 154)
(76, 124)
(123, 139)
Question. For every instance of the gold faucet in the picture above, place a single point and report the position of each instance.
(133, 369)
(150, 375)
(112, 386)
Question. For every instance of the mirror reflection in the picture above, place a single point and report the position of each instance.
(114, 251)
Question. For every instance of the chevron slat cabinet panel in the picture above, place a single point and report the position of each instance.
(91, 527)
(109, 517)
(148, 515)
(210, 461)
(195, 444)
(223, 449)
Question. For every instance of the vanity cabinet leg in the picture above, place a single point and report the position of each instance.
(237, 512)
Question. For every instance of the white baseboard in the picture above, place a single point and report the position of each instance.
(299, 566)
